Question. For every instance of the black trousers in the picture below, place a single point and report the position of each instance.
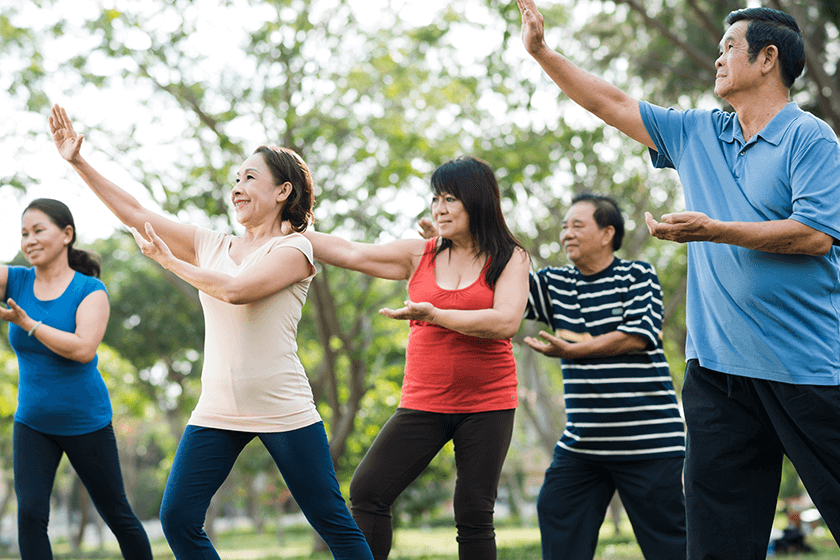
(404, 448)
(577, 490)
(94, 458)
(738, 430)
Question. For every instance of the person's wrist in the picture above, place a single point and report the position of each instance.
(539, 51)
(33, 327)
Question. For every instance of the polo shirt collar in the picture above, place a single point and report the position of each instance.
(772, 132)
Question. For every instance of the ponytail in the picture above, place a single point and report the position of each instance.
(83, 261)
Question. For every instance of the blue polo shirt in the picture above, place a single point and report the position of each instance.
(753, 313)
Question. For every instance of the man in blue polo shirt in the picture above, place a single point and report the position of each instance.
(623, 426)
(762, 189)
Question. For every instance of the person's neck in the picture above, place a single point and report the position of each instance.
(594, 266)
(756, 110)
(56, 271)
(463, 246)
(262, 232)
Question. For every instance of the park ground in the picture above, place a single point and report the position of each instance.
(514, 543)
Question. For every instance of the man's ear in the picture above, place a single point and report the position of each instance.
(609, 233)
(769, 57)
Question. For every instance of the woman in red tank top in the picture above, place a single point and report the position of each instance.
(467, 289)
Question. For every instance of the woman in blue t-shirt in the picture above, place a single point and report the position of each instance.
(58, 311)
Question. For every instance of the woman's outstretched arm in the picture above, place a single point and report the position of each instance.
(179, 237)
(80, 346)
(396, 260)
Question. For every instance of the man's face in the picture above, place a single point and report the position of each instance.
(581, 237)
(735, 72)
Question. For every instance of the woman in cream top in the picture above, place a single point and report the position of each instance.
(252, 289)
(252, 378)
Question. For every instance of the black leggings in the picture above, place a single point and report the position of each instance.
(403, 449)
(94, 457)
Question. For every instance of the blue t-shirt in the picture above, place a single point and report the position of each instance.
(618, 408)
(55, 395)
(753, 313)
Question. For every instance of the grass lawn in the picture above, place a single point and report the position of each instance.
(409, 544)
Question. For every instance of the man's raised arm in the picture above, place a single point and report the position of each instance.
(600, 98)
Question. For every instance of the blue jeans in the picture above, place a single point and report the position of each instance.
(203, 461)
(94, 458)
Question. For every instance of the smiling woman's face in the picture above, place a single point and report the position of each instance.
(255, 196)
(41, 241)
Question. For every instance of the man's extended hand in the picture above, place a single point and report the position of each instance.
(533, 27)
(550, 346)
(682, 227)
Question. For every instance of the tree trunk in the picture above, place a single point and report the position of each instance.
(7, 497)
(615, 513)
(84, 518)
(253, 504)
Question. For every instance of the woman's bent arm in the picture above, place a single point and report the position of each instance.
(280, 268)
(500, 321)
(80, 346)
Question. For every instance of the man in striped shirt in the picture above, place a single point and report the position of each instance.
(624, 430)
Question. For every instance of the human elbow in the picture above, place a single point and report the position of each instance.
(506, 329)
(235, 297)
(822, 246)
(83, 356)
(232, 292)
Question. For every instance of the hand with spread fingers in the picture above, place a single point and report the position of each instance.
(66, 140)
(550, 345)
(14, 314)
(154, 247)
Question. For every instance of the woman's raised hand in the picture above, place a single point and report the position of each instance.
(154, 247)
(67, 141)
(13, 314)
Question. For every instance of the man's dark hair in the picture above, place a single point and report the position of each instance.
(607, 213)
(772, 27)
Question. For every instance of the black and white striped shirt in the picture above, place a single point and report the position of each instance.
(620, 407)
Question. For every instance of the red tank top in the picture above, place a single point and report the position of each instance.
(449, 372)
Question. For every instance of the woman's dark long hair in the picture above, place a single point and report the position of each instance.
(59, 214)
(472, 181)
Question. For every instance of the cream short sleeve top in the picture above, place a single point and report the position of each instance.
(252, 380)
